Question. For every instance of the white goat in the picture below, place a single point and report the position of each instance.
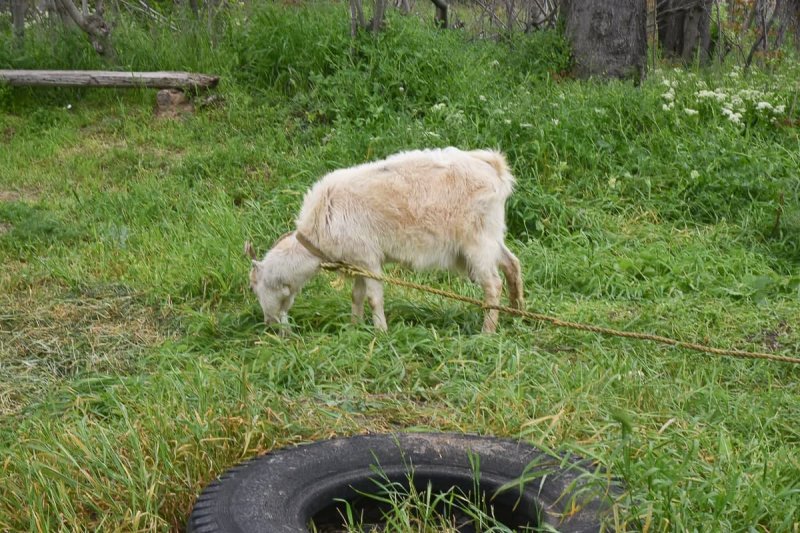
(425, 209)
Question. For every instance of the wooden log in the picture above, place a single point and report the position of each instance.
(101, 78)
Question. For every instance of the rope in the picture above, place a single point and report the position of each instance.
(357, 271)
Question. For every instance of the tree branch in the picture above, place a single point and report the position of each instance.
(95, 27)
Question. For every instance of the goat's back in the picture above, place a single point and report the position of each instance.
(410, 205)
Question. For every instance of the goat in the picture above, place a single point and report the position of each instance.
(427, 209)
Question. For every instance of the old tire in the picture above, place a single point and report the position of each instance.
(283, 490)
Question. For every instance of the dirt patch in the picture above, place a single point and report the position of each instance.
(106, 145)
(47, 338)
(5, 228)
(18, 196)
(771, 338)
(9, 196)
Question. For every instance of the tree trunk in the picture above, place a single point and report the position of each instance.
(403, 5)
(376, 23)
(684, 29)
(780, 12)
(540, 13)
(18, 9)
(440, 18)
(608, 37)
(795, 16)
(788, 12)
(510, 15)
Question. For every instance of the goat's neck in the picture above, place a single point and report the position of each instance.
(305, 264)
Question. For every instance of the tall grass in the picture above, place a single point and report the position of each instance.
(133, 363)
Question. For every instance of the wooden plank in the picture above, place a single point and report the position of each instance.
(102, 78)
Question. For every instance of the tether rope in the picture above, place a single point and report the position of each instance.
(357, 271)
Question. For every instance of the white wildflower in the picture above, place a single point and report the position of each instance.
(690, 112)
(667, 107)
(438, 107)
(694, 174)
(507, 121)
(779, 109)
(717, 95)
(763, 105)
(481, 98)
(402, 89)
(555, 121)
(455, 118)
(751, 94)
(525, 125)
(495, 63)
(734, 117)
(669, 96)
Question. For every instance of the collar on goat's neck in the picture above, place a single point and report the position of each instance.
(308, 245)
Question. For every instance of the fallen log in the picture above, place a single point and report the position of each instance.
(187, 81)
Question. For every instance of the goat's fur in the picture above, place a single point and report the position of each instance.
(428, 209)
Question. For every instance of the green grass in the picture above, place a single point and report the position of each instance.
(134, 367)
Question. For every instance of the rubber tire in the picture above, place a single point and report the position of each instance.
(281, 490)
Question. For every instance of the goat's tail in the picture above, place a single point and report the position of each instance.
(498, 161)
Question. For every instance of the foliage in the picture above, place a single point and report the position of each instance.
(134, 367)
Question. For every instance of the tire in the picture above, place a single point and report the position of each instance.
(283, 490)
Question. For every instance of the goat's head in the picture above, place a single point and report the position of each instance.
(271, 285)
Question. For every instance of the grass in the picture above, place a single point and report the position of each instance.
(133, 364)
(402, 506)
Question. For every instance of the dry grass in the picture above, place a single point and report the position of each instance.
(49, 335)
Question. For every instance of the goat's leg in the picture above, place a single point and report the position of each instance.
(509, 264)
(359, 292)
(482, 264)
(375, 299)
(492, 287)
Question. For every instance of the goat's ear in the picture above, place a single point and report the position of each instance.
(249, 250)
